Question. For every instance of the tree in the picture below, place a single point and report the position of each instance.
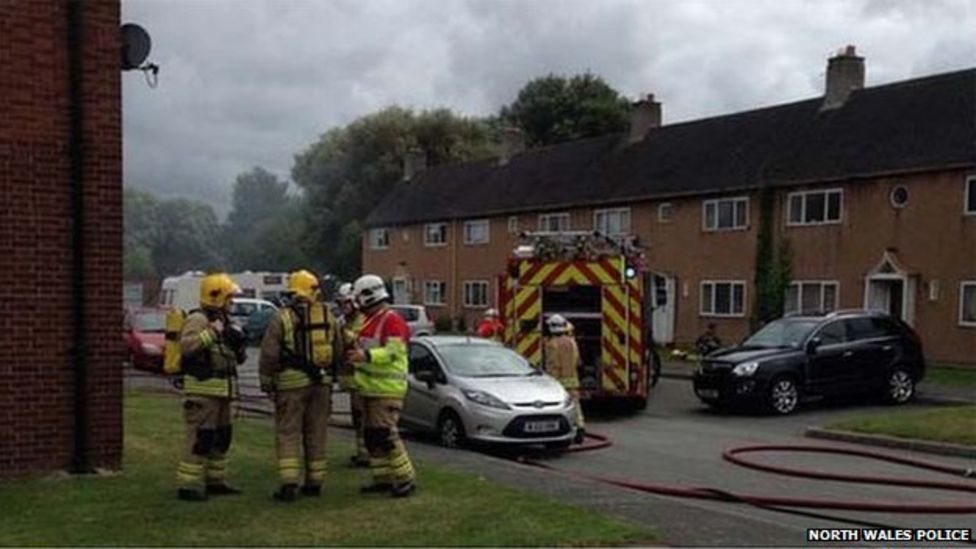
(349, 170)
(554, 109)
(265, 226)
(774, 265)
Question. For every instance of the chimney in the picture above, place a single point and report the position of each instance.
(845, 73)
(513, 143)
(644, 116)
(414, 162)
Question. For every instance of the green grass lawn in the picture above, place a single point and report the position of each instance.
(138, 506)
(951, 376)
(955, 424)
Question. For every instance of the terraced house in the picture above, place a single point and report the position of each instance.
(873, 187)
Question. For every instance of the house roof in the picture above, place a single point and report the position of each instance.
(920, 124)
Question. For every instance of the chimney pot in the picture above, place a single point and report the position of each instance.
(845, 73)
(513, 143)
(644, 116)
(414, 162)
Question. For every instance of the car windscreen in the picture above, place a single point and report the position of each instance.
(238, 308)
(149, 322)
(782, 333)
(408, 313)
(484, 361)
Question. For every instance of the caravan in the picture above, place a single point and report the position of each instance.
(183, 291)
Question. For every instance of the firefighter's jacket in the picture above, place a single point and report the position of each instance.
(562, 360)
(209, 361)
(491, 329)
(291, 358)
(384, 337)
(350, 326)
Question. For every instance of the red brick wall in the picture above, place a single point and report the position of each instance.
(36, 382)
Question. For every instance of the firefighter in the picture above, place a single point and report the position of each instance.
(490, 327)
(561, 357)
(211, 348)
(297, 353)
(352, 323)
(380, 360)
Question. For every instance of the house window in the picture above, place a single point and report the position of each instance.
(476, 293)
(971, 195)
(513, 224)
(665, 212)
(379, 239)
(815, 207)
(435, 234)
(723, 298)
(811, 297)
(435, 292)
(557, 222)
(967, 303)
(726, 214)
(614, 222)
(476, 232)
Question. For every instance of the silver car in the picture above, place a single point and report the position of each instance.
(417, 318)
(472, 389)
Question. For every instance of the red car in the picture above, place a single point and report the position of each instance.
(144, 333)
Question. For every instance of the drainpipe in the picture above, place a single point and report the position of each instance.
(76, 152)
(455, 310)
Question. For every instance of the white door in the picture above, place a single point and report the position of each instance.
(879, 295)
(400, 296)
(662, 314)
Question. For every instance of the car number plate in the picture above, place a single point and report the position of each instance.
(708, 393)
(541, 426)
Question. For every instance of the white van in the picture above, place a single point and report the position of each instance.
(183, 291)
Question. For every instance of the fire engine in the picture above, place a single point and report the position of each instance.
(596, 282)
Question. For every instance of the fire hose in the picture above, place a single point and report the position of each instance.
(733, 455)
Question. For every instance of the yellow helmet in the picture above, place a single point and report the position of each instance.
(217, 290)
(304, 284)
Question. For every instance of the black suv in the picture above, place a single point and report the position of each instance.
(798, 357)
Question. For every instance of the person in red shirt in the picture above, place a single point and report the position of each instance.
(490, 327)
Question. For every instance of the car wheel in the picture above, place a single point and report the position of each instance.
(901, 386)
(450, 430)
(783, 396)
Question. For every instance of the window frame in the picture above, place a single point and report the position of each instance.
(473, 222)
(513, 224)
(442, 290)
(732, 283)
(660, 210)
(803, 207)
(435, 244)
(543, 219)
(374, 244)
(716, 202)
(471, 284)
(608, 211)
(799, 295)
(968, 190)
(962, 302)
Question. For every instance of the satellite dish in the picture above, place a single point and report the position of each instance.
(135, 46)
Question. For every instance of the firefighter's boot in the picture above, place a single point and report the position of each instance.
(186, 494)
(287, 493)
(403, 490)
(580, 435)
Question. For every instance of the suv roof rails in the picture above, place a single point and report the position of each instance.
(842, 312)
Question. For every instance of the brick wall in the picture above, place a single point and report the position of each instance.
(36, 381)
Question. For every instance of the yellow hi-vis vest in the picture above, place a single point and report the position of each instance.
(310, 346)
(385, 375)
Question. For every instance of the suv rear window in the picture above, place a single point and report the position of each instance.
(868, 328)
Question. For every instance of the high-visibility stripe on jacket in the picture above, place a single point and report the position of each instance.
(209, 362)
(384, 337)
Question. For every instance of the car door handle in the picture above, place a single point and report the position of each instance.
(886, 348)
(848, 354)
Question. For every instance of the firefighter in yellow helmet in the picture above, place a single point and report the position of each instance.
(298, 352)
(211, 349)
(352, 323)
(380, 359)
(561, 357)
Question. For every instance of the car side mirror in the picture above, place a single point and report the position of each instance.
(426, 376)
(813, 345)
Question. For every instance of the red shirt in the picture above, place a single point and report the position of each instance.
(491, 329)
(391, 324)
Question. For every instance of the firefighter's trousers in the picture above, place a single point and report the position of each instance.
(356, 403)
(208, 437)
(388, 457)
(575, 394)
(301, 423)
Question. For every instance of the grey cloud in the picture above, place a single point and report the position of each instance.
(252, 82)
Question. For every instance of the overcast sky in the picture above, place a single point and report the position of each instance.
(252, 82)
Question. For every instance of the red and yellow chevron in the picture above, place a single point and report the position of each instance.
(571, 273)
(528, 308)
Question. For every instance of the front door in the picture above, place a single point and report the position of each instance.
(888, 295)
(400, 295)
(662, 311)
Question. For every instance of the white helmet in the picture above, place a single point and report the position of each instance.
(557, 324)
(345, 292)
(369, 290)
(491, 313)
